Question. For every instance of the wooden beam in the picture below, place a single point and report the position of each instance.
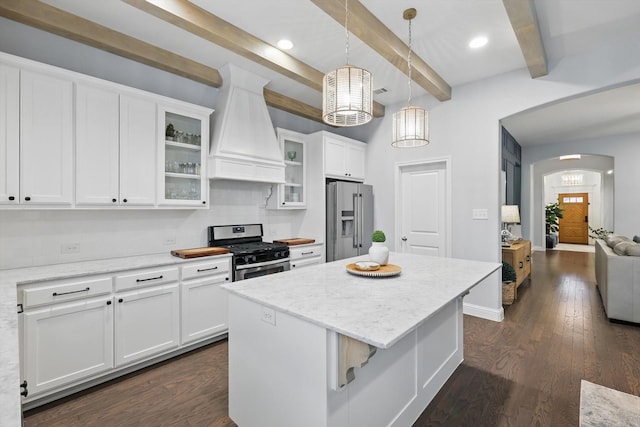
(204, 24)
(40, 15)
(364, 25)
(523, 20)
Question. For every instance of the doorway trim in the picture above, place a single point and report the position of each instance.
(399, 167)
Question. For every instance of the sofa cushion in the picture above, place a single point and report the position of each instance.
(621, 247)
(633, 250)
(636, 239)
(614, 239)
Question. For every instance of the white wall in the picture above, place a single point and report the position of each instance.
(467, 129)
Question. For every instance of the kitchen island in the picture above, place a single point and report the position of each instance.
(323, 347)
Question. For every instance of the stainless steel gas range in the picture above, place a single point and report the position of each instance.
(251, 256)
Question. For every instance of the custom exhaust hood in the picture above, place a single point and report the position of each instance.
(244, 145)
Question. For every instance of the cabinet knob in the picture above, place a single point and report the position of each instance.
(284, 203)
(120, 300)
(27, 198)
(124, 200)
(204, 202)
(12, 198)
(25, 391)
(108, 302)
(114, 200)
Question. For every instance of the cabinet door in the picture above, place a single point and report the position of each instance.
(334, 158)
(293, 193)
(355, 165)
(146, 323)
(137, 151)
(204, 308)
(46, 139)
(97, 133)
(9, 134)
(67, 342)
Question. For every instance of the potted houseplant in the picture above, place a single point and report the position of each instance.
(508, 284)
(378, 252)
(552, 213)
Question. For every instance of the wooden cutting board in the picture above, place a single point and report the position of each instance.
(295, 241)
(199, 252)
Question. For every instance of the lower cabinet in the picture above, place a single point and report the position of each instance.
(66, 342)
(306, 255)
(147, 322)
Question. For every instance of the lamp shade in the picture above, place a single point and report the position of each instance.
(410, 127)
(347, 98)
(510, 214)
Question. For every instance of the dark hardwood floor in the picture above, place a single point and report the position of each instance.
(525, 371)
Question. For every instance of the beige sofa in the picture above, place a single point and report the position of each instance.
(618, 278)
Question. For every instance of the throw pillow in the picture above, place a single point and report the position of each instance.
(614, 239)
(636, 239)
(633, 250)
(621, 247)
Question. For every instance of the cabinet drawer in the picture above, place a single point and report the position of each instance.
(146, 277)
(296, 253)
(305, 262)
(207, 268)
(65, 290)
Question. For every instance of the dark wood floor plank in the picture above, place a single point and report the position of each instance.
(524, 371)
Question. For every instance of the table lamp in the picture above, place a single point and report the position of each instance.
(510, 215)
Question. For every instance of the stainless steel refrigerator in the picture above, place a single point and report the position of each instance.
(349, 219)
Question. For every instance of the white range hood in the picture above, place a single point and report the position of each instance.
(244, 144)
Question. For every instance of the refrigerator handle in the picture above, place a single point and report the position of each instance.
(356, 212)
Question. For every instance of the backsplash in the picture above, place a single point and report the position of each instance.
(43, 237)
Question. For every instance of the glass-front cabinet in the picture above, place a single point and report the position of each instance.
(185, 141)
(292, 194)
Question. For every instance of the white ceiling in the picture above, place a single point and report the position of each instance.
(441, 32)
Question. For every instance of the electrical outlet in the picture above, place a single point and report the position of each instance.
(168, 241)
(70, 248)
(269, 315)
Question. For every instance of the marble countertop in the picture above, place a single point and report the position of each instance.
(605, 407)
(9, 359)
(378, 311)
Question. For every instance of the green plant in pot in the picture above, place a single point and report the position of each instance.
(508, 273)
(378, 252)
(552, 215)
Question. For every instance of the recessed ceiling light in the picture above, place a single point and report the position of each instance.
(285, 44)
(478, 42)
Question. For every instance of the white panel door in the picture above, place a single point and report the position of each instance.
(355, 155)
(138, 144)
(67, 342)
(97, 134)
(147, 323)
(334, 158)
(9, 134)
(46, 139)
(204, 308)
(422, 207)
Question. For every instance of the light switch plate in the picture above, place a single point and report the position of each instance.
(480, 214)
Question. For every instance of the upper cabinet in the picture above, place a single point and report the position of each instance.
(46, 139)
(344, 158)
(123, 157)
(293, 193)
(182, 154)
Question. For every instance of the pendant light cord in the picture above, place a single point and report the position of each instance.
(409, 62)
(346, 28)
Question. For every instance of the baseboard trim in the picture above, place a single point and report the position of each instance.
(497, 315)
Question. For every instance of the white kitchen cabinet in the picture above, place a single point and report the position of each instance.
(46, 139)
(293, 193)
(66, 332)
(203, 302)
(182, 151)
(9, 134)
(344, 158)
(115, 148)
(147, 322)
(305, 255)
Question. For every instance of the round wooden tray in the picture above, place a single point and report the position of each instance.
(384, 271)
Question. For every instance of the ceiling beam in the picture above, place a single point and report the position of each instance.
(522, 15)
(364, 25)
(204, 24)
(42, 16)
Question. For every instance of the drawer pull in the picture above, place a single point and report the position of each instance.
(25, 390)
(57, 294)
(521, 264)
(307, 253)
(528, 258)
(150, 278)
(200, 270)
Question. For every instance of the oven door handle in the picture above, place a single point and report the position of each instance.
(262, 264)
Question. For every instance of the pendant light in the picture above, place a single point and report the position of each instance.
(411, 124)
(347, 97)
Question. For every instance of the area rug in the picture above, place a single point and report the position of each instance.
(605, 407)
(574, 248)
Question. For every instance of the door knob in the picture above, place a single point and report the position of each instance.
(404, 238)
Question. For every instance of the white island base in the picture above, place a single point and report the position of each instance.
(283, 370)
